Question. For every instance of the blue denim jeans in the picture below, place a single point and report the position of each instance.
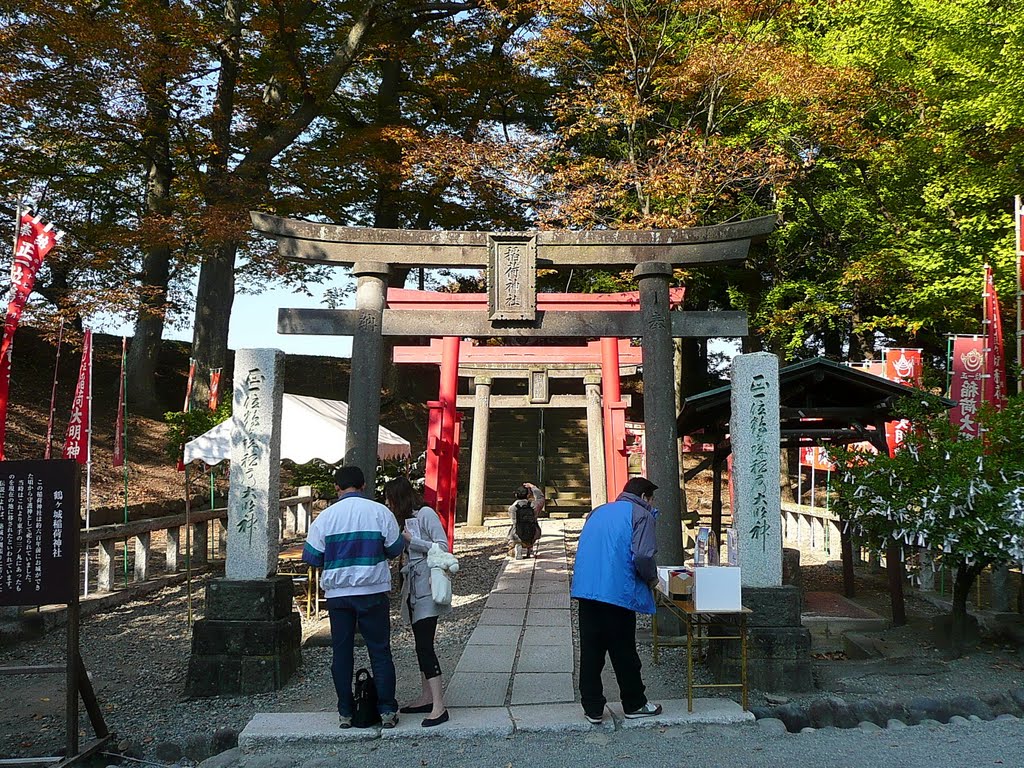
(372, 615)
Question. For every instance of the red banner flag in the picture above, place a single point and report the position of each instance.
(996, 361)
(817, 457)
(33, 242)
(214, 388)
(968, 382)
(77, 441)
(119, 423)
(902, 366)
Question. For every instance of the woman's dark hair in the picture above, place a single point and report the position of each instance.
(522, 492)
(402, 498)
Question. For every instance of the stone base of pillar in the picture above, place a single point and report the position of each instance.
(250, 640)
(778, 647)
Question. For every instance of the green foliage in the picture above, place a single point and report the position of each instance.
(962, 498)
(318, 474)
(183, 426)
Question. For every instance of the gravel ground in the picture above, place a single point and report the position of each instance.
(138, 656)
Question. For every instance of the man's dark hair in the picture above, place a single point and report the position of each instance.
(639, 486)
(522, 492)
(349, 477)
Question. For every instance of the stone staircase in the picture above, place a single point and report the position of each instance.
(519, 452)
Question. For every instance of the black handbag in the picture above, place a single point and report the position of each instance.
(364, 701)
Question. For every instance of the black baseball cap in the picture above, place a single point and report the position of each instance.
(349, 477)
(639, 486)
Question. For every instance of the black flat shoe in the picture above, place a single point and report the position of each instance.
(422, 708)
(430, 722)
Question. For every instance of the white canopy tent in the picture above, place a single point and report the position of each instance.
(311, 428)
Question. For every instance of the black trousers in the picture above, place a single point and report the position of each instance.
(610, 630)
(423, 631)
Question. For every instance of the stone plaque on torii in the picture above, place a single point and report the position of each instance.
(511, 260)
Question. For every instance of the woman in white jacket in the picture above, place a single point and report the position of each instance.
(421, 527)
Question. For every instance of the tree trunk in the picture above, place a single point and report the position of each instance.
(214, 299)
(894, 568)
(862, 344)
(846, 548)
(787, 468)
(962, 582)
(144, 353)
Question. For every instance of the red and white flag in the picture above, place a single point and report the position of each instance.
(214, 388)
(817, 457)
(119, 423)
(77, 441)
(902, 366)
(993, 325)
(968, 383)
(34, 241)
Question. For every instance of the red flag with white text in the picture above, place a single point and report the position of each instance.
(993, 325)
(34, 241)
(967, 386)
(76, 440)
(902, 366)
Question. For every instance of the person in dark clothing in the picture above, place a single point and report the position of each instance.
(613, 576)
(525, 529)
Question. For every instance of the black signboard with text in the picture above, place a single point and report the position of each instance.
(39, 520)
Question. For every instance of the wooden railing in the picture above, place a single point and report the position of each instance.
(296, 515)
(811, 528)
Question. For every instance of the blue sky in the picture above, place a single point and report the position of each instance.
(254, 323)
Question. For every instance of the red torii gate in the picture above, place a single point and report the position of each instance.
(443, 432)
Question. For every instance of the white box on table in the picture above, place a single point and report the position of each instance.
(717, 588)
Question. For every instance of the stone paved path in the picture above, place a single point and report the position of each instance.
(514, 676)
(522, 649)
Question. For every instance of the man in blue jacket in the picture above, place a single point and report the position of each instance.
(612, 579)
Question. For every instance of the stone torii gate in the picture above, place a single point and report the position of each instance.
(511, 260)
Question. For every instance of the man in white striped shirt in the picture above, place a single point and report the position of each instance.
(351, 541)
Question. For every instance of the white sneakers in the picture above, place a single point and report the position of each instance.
(647, 710)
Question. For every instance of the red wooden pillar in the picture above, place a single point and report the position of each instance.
(439, 480)
(454, 487)
(614, 418)
(434, 453)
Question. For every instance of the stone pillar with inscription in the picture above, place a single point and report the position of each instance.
(779, 647)
(249, 639)
(754, 433)
(478, 458)
(367, 368)
(595, 440)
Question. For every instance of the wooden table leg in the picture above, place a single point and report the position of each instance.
(689, 662)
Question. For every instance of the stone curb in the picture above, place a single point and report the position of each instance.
(835, 712)
(271, 731)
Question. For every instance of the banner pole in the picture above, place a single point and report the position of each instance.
(124, 443)
(1018, 248)
(188, 548)
(88, 470)
(53, 391)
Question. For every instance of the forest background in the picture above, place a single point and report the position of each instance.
(886, 134)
